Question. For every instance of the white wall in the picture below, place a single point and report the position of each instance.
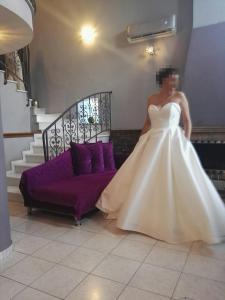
(15, 118)
(13, 149)
(15, 114)
(208, 12)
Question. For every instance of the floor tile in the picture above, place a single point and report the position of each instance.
(96, 288)
(140, 238)
(214, 251)
(132, 250)
(156, 279)
(50, 231)
(131, 293)
(117, 268)
(55, 251)
(75, 237)
(13, 258)
(198, 288)
(206, 267)
(30, 244)
(9, 288)
(59, 281)
(29, 226)
(167, 258)
(95, 224)
(16, 221)
(111, 230)
(83, 259)
(102, 242)
(27, 270)
(16, 235)
(63, 254)
(179, 247)
(32, 294)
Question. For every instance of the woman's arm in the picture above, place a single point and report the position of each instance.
(147, 123)
(186, 119)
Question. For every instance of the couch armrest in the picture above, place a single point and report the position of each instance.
(56, 169)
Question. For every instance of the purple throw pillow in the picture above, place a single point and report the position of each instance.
(87, 158)
(109, 161)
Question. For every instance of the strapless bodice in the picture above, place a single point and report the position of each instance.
(165, 116)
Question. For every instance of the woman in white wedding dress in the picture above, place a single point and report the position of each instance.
(162, 190)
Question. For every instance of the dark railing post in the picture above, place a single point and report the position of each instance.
(70, 120)
(110, 111)
(63, 137)
(77, 124)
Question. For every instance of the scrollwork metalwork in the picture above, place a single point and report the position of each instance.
(80, 123)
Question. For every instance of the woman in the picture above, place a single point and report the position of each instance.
(162, 189)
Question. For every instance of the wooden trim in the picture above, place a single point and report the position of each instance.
(11, 135)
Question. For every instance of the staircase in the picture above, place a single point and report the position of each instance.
(29, 158)
(35, 155)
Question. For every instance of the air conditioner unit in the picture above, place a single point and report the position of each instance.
(162, 27)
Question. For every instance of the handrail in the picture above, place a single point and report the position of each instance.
(32, 5)
(68, 109)
(81, 122)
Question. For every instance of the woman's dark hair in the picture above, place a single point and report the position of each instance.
(164, 73)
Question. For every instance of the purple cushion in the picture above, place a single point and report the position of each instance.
(109, 162)
(87, 158)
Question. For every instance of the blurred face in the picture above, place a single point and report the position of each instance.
(171, 81)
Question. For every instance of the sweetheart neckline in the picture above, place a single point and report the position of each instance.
(161, 106)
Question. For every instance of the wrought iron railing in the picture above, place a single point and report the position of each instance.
(81, 122)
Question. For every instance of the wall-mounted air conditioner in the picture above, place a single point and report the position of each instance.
(162, 27)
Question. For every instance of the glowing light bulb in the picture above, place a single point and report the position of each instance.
(150, 50)
(88, 34)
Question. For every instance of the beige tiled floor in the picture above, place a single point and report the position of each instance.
(52, 259)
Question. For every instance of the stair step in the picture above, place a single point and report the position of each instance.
(21, 91)
(38, 137)
(38, 110)
(37, 148)
(13, 179)
(18, 166)
(14, 194)
(31, 157)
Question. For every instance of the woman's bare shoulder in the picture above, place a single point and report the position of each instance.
(182, 99)
(181, 95)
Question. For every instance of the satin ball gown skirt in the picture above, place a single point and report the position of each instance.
(162, 190)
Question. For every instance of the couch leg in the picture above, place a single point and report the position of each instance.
(29, 210)
(77, 221)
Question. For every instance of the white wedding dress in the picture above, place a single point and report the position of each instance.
(162, 189)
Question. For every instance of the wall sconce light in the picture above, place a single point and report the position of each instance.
(151, 50)
(88, 34)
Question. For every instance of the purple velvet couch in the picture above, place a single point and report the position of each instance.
(56, 185)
